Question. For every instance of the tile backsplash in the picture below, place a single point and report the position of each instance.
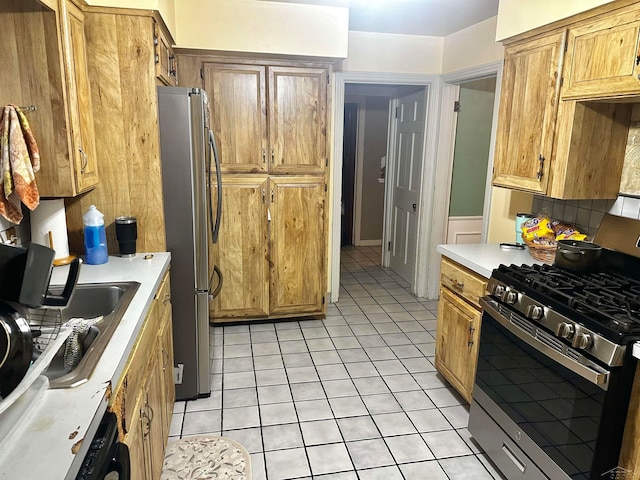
(586, 215)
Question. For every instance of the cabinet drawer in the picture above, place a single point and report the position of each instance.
(462, 281)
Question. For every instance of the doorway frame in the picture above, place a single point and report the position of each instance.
(426, 276)
(448, 123)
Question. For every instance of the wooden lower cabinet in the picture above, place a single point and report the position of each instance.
(271, 248)
(457, 342)
(143, 398)
(458, 328)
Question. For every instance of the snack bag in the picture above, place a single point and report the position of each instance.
(538, 228)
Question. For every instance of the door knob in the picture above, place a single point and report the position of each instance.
(414, 207)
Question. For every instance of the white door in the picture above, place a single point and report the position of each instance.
(407, 173)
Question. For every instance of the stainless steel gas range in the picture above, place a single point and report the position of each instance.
(555, 369)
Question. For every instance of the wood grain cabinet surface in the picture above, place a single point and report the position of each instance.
(603, 56)
(276, 126)
(144, 396)
(458, 326)
(122, 54)
(269, 119)
(528, 106)
(45, 65)
(562, 128)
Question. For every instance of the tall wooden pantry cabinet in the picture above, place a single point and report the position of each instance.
(269, 119)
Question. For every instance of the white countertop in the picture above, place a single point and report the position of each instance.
(482, 258)
(42, 447)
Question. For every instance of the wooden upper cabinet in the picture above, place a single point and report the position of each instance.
(165, 59)
(239, 115)
(297, 242)
(80, 109)
(602, 57)
(528, 106)
(45, 64)
(297, 119)
(269, 119)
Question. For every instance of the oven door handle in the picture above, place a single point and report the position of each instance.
(598, 378)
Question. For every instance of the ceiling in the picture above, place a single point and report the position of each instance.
(412, 17)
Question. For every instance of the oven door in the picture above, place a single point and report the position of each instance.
(555, 407)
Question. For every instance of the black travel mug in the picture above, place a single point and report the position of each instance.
(126, 234)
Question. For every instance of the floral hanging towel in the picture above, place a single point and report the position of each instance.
(19, 159)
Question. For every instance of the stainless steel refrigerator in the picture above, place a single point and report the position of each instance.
(187, 148)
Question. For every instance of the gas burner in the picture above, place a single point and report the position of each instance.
(605, 301)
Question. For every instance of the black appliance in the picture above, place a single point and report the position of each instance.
(555, 368)
(106, 458)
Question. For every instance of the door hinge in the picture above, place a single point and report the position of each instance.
(322, 299)
(202, 73)
(389, 247)
(326, 162)
(456, 106)
(397, 108)
(325, 187)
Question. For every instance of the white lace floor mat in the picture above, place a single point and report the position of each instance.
(206, 457)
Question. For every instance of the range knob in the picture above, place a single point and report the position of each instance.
(565, 330)
(498, 290)
(510, 297)
(582, 341)
(535, 312)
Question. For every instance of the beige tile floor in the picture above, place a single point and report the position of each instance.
(353, 396)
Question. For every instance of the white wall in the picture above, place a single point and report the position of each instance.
(262, 27)
(471, 47)
(392, 53)
(518, 16)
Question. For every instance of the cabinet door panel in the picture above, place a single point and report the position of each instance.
(457, 342)
(153, 409)
(135, 440)
(168, 387)
(82, 129)
(297, 245)
(297, 119)
(241, 251)
(602, 57)
(528, 108)
(238, 115)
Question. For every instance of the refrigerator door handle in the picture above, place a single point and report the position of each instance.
(215, 227)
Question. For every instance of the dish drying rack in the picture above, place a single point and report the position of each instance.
(49, 336)
(45, 326)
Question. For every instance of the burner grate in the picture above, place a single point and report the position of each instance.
(609, 299)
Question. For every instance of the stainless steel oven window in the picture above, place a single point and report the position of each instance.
(577, 423)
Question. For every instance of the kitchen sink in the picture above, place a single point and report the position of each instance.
(91, 300)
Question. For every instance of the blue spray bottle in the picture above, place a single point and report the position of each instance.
(95, 238)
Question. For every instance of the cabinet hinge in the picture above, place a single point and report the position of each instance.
(456, 106)
(202, 73)
(326, 162)
(322, 299)
(561, 81)
(389, 246)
